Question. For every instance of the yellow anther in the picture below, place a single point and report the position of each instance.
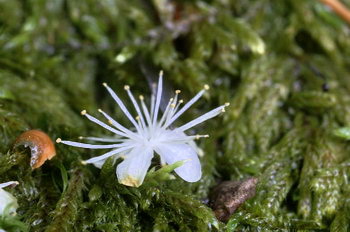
(83, 163)
(104, 84)
(110, 122)
(141, 97)
(58, 140)
(177, 91)
(161, 73)
(181, 101)
(137, 117)
(227, 104)
(206, 87)
(83, 112)
(172, 105)
(99, 110)
(80, 137)
(223, 110)
(126, 87)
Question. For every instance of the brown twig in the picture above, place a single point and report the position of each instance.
(339, 8)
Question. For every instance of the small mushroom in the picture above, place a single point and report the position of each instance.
(229, 195)
(40, 144)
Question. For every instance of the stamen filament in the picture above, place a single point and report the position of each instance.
(171, 113)
(187, 138)
(136, 105)
(202, 118)
(97, 139)
(153, 99)
(186, 106)
(166, 112)
(143, 131)
(121, 105)
(98, 122)
(145, 111)
(159, 97)
(126, 132)
(108, 154)
(91, 146)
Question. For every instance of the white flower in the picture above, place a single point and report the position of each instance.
(152, 134)
(7, 201)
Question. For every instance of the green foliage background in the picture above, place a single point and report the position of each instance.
(283, 66)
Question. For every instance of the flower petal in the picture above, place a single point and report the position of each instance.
(171, 153)
(133, 169)
(7, 201)
(3, 185)
(100, 163)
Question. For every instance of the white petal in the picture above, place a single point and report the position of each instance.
(7, 200)
(108, 154)
(133, 169)
(100, 163)
(3, 185)
(190, 171)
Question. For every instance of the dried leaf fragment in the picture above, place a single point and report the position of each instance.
(40, 144)
(229, 195)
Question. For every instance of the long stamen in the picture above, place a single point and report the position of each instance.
(86, 145)
(143, 131)
(98, 122)
(145, 110)
(136, 105)
(126, 132)
(188, 138)
(203, 118)
(187, 105)
(172, 112)
(177, 106)
(175, 103)
(97, 139)
(166, 112)
(177, 92)
(158, 97)
(153, 99)
(108, 154)
(121, 105)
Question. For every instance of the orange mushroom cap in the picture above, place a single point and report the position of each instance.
(41, 146)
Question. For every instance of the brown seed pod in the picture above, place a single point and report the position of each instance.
(40, 144)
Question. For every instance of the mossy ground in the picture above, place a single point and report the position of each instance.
(283, 66)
